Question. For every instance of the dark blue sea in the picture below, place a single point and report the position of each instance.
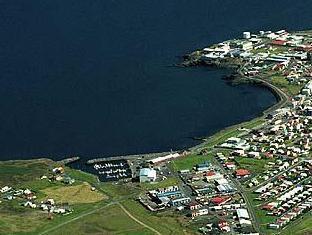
(95, 77)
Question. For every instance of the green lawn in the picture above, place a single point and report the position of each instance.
(110, 220)
(164, 222)
(282, 83)
(16, 219)
(162, 184)
(188, 162)
(261, 216)
(19, 172)
(301, 226)
(256, 166)
(113, 220)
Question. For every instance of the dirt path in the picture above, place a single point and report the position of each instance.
(138, 221)
(76, 218)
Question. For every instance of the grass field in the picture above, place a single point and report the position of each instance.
(162, 184)
(256, 166)
(74, 194)
(113, 220)
(188, 162)
(16, 219)
(301, 226)
(20, 172)
(165, 222)
(282, 83)
(110, 220)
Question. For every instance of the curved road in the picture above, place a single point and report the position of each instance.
(138, 221)
(48, 231)
(284, 98)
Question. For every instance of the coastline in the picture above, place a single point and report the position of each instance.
(232, 165)
(282, 100)
(239, 79)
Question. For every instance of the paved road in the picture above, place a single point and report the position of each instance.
(241, 190)
(284, 98)
(274, 177)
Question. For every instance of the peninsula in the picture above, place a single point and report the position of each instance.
(251, 178)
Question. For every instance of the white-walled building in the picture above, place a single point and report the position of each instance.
(147, 175)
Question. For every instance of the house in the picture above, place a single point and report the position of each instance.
(200, 212)
(30, 204)
(279, 42)
(224, 226)
(147, 175)
(5, 189)
(58, 170)
(194, 206)
(220, 200)
(230, 165)
(238, 152)
(241, 173)
(212, 175)
(254, 154)
(59, 210)
(203, 166)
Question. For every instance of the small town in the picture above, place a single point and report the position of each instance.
(259, 179)
(253, 178)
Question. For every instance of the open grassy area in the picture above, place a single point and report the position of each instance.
(20, 172)
(22, 222)
(74, 194)
(164, 222)
(118, 190)
(282, 83)
(301, 226)
(260, 214)
(109, 220)
(189, 161)
(256, 166)
(160, 184)
(17, 219)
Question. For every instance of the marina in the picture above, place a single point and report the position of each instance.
(112, 170)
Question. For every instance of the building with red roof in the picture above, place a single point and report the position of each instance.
(240, 173)
(230, 165)
(220, 200)
(279, 42)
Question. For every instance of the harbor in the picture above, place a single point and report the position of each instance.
(113, 170)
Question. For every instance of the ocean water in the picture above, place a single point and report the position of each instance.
(95, 78)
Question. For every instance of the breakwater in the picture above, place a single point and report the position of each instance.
(127, 157)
